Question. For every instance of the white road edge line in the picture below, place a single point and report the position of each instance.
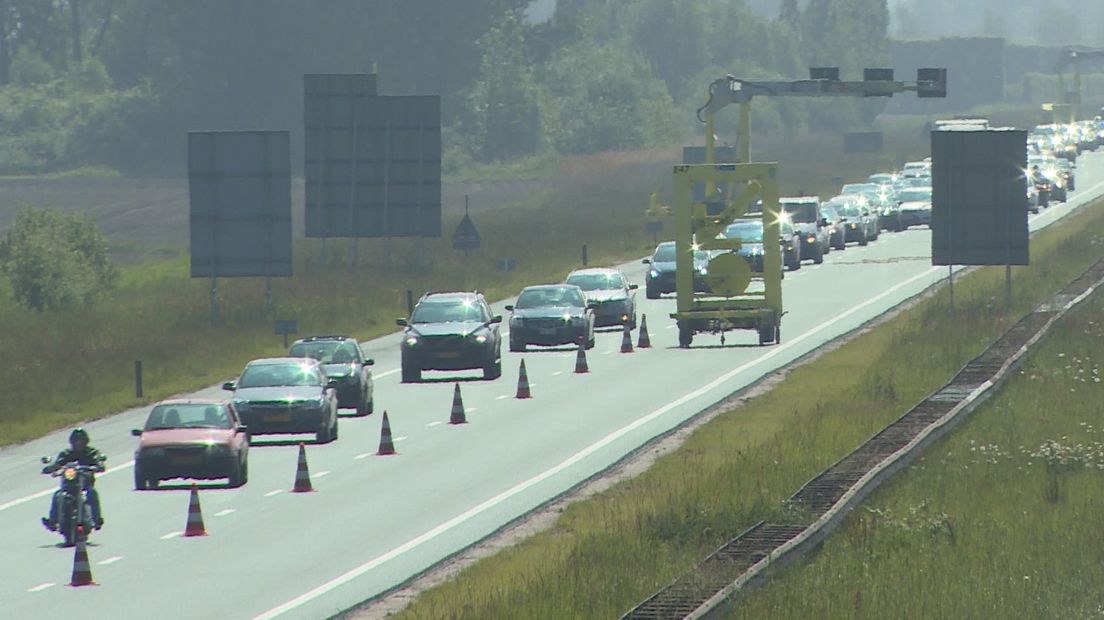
(110, 560)
(42, 586)
(572, 460)
(225, 511)
(385, 373)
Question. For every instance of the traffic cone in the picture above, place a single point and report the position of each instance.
(644, 341)
(580, 360)
(387, 446)
(302, 474)
(626, 340)
(457, 415)
(82, 571)
(194, 526)
(523, 383)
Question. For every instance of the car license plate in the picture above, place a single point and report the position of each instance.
(448, 354)
(187, 459)
(278, 417)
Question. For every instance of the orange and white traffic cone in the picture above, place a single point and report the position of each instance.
(82, 571)
(644, 341)
(387, 445)
(523, 383)
(580, 360)
(626, 340)
(302, 474)
(456, 416)
(194, 527)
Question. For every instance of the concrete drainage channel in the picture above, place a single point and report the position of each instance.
(712, 587)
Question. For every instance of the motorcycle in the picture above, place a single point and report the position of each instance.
(74, 513)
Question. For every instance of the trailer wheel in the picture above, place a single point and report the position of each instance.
(686, 334)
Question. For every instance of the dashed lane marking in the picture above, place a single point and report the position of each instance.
(362, 455)
(225, 511)
(320, 474)
(172, 535)
(274, 492)
(42, 586)
(111, 560)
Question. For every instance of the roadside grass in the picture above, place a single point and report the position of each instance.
(607, 553)
(1001, 519)
(64, 367)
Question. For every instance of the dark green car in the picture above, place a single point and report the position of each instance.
(451, 331)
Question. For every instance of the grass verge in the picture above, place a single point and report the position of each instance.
(607, 553)
(999, 520)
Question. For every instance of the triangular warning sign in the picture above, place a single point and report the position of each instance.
(466, 236)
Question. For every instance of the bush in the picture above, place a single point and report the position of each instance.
(55, 260)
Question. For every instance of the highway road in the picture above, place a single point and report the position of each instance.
(376, 521)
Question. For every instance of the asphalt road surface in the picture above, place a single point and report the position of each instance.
(376, 521)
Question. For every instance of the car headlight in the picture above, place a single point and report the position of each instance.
(886, 211)
(479, 338)
(703, 271)
(652, 273)
(812, 238)
(411, 341)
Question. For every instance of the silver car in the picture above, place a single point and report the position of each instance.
(286, 395)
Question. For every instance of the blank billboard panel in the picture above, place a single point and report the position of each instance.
(373, 166)
(979, 200)
(239, 187)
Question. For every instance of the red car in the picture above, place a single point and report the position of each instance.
(195, 438)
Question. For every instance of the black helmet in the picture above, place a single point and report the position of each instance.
(78, 433)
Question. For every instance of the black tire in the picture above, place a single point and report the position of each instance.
(493, 371)
(842, 243)
(863, 240)
(766, 333)
(651, 292)
(686, 335)
(371, 408)
(819, 258)
(333, 433)
(411, 373)
(777, 334)
(140, 482)
(325, 435)
(590, 342)
(362, 407)
(517, 347)
(632, 322)
(236, 475)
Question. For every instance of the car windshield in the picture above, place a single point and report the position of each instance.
(188, 415)
(801, 212)
(447, 312)
(666, 254)
(849, 210)
(274, 375)
(914, 194)
(749, 232)
(828, 210)
(550, 297)
(859, 188)
(597, 281)
(326, 351)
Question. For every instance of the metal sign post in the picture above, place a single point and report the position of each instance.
(466, 237)
(286, 326)
(506, 265)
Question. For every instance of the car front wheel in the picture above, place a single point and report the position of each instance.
(411, 373)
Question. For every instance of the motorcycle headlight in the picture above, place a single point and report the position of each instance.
(70, 473)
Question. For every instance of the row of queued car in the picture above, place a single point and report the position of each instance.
(301, 393)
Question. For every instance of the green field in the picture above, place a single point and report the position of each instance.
(605, 554)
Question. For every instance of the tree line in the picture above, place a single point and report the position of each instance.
(117, 83)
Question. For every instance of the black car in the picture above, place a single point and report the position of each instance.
(343, 362)
(551, 315)
(804, 213)
(451, 331)
(833, 221)
(661, 277)
(286, 395)
(750, 233)
(791, 244)
(610, 292)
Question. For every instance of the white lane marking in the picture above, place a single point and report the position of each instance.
(112, 560)
(385, 373)
(172, 535)
(274, 492)
(572, 460)
(362, 455)
(398, 439)
(320, 474)
(42, 586)
(503, 397)
(438, 423)
(225, 511)
(469, 409)
(33, 496)
(557, 373)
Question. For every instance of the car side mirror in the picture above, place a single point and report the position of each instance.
(496, 319)
(137, 432)
(243, 429)
(633, 287)
(400, 322)
(823, 221)
(510, 308)
(229, 386)
(45, 460)
(647, 261)
(369, 361)
(331, 383)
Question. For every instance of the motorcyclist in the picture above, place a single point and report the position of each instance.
(80, 452)
(1037, 177)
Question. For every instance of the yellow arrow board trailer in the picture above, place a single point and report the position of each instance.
(737, 297)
